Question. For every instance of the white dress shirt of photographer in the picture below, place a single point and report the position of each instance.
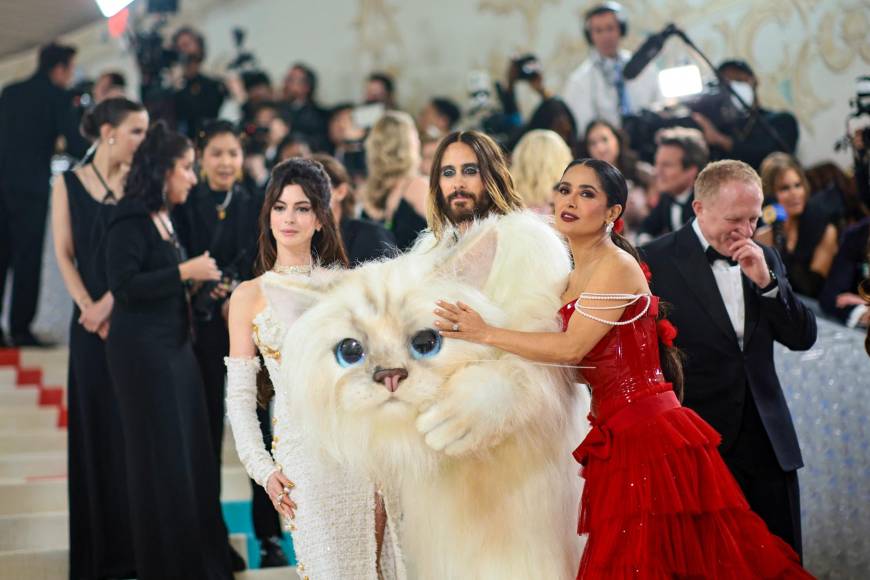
(596, 89)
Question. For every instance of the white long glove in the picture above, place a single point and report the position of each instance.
(242, 411)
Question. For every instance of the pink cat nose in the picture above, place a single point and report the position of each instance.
(390, 378)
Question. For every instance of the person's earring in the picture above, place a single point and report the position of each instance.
(608, 228)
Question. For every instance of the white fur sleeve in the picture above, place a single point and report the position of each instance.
(242, 411)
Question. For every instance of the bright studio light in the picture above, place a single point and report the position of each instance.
(112, 7)
(680, 81)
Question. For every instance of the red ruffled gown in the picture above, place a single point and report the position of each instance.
(658, 501)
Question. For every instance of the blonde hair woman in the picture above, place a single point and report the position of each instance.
(537, 164)
(395, 192)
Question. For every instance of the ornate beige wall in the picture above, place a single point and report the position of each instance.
(807, 53)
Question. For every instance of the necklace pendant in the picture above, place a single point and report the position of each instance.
(222, 214)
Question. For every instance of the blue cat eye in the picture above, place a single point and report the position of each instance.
(349, 352)
(425, 344)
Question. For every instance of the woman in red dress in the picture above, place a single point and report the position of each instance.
(658, 500)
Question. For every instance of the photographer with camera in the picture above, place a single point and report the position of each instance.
(551, 114)
(841, 296)
(597, 88)
(199, 98)
(747, 136)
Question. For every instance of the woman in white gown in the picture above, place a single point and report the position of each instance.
(335, 519)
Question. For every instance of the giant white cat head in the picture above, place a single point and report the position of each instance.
(361, 359)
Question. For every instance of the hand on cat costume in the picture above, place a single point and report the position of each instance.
(471, 416)
(461, 321)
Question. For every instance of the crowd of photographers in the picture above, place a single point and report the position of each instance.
(379, 161)
(816, 216)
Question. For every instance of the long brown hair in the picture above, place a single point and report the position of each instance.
(613, 183)
(338, 176)
(775, 165)
(326, 246)
(494, 172)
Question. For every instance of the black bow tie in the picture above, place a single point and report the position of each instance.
(714, 256)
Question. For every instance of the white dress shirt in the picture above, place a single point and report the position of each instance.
(677, 210)
(729, 279)
(591, 94)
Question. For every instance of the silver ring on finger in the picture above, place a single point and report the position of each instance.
(456, 327)
(280, 497)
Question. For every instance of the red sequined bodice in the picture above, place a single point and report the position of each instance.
(625, 363)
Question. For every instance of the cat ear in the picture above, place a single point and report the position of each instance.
(291, 296)
(472, 259)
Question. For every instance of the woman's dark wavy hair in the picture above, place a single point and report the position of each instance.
(614, 186)
(111, 112)
(326, 246)
(153, 159)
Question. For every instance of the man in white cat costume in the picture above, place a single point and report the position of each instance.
(472, 447)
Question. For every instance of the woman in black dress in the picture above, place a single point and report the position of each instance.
(101, 544)
(173, 479)
(220, 217)
(801, 231)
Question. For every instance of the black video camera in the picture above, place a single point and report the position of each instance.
(205, 304)
(861, 106)
(528, 67)
(151, 55)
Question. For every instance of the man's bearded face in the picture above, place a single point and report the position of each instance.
(463, 195)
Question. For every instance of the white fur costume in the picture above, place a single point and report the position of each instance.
(475, 444)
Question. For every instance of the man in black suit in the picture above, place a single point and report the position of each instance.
(200, 98)
(680, 156)
(748, 136)
(731, 300)
(33, 114)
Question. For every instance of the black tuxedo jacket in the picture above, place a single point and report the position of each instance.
(718, 373)
(658, 222)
